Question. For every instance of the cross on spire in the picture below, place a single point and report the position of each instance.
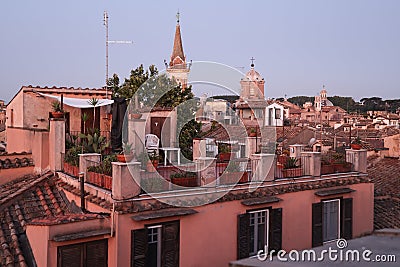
(177, 17)
(252, 61)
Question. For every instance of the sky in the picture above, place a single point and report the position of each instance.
(350, 46)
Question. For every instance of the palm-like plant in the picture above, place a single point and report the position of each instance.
(85, 117)
(93, 102)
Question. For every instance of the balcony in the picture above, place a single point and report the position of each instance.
(207, 175)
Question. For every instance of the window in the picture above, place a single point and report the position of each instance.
(277, 113)
(257, 229)
(332, 219)
(156, 245)
(84, 254)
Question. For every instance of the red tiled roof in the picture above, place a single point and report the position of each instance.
(386, 177)
(387, 213)
(26, 200)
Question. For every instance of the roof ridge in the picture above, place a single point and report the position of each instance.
(23, 189)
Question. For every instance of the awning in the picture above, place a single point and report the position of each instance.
(148, 215)
(79, 235)
(261, 200)
(336, 191)
(79, 102)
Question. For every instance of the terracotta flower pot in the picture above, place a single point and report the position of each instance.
(185, 181)
(107, 182)
(151, 166)
(136, 116)
(124, 158)
(289, 173)
(57, 115)
(327, 169)
(225, 156)
(355, 146)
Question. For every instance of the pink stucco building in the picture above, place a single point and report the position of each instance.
(63, 221)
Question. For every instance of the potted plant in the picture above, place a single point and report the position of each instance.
(291, 168)
(71, 161)
(253, 132)
(154, 184)
(326, 165)
(126, 154)
(339, 163)
(224, 152)
(233, 174)
(57, 110)
(107, 170)
(152, 164)
(186, 179)
(135, 114)
(356, 144)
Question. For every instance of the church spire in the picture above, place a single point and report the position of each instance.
(177, 57)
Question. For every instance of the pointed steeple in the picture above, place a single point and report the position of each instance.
(177, 57)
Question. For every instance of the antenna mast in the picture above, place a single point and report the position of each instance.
(105, 20)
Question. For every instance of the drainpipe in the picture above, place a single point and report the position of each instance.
(82, 187)
(112, 220)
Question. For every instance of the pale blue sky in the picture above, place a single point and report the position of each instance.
(351, 46)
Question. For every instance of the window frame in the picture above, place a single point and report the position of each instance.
(163, 247)
(159, 240)
(338, 200)
(254, 229)
(346, 212)
(83, 252)
(273, 231)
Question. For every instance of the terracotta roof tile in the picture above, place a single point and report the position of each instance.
(26, 200)
(386, 177)
(387, 213)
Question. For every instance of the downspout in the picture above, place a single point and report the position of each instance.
(112, 219)
(82, 187)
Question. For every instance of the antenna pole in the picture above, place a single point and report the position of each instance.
(110, 42)
(106, 24)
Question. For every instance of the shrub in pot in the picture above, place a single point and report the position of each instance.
(291, 168)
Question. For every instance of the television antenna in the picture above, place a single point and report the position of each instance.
(105, 21)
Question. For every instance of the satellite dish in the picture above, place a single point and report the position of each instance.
(312, 141)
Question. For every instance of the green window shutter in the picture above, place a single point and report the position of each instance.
(170, 244)
(139, 248)
(96, 253)
(243, 237)
(275, 230)
(317, 224)
(346, 211)
(71, 255)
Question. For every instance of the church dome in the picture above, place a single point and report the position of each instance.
(253, 75)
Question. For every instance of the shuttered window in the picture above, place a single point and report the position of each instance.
(317, 224)
(84, 254)
(156, 246)
(257, 229)
(347, 218)
(332, 219)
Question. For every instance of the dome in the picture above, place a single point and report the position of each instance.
(253, 75)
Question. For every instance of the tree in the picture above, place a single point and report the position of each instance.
(300, 100)
(93, 101)
(130, 86)
(153, 90)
